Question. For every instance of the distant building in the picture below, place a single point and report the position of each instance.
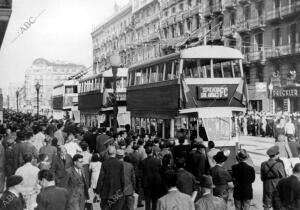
(47, 74)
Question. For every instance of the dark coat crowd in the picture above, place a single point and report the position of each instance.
(52, 164)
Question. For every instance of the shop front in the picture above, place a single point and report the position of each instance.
(287, 98)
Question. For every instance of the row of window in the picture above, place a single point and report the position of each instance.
(192, 68)
(95, 84)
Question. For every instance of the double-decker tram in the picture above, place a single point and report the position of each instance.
(199, 91)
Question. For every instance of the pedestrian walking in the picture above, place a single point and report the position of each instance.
(221, 177)
(271, 171)
(59, 166)
(243, 176)
(151, 179)
(174, 199)
(110, 184)
(287, 194)
(129, 181)
(51, 197)
(29, 185)
(207, 200)
(95, 167)
(12, 198)
(77, 184)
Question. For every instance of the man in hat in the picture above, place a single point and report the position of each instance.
(196, 161)
(174, 199)
(243, 176)
(51, 197)
(221, 177)
(100, 139)
(110, 184)
(287, 194)
(271, 171)
(208, 201)
(129, 181)
(48, 149)
(12, 198)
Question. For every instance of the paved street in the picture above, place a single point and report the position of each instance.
(257, 147)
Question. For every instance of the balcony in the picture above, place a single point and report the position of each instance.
(243, 26)
(230, 4)
(229, 31)
(257, 23)
(207, 11)
(244, 1)
(291, 9)
(258, 56)
(284, 50)
(217, 8)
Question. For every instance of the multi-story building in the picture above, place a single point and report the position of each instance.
(114, 35)
(268, 33)
(47, 74)
(5, 12)
(146, 19)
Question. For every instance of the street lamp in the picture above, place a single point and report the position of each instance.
(115, 62)
(17, 94)
(272, 106)
(37, 87)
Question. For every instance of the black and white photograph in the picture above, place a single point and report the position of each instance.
(149, 104)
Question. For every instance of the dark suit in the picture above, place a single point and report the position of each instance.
(287, 194)
(77, 188)
(10, 201)
(52, 198)
(110, 184)
(196, 163)
(151, 181)
(243, 176)
(129, 181)
(59, 167)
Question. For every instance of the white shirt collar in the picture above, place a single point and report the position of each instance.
(172, 189)
(14, 192)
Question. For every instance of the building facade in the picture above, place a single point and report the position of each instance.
(115, 35)
(47, 74)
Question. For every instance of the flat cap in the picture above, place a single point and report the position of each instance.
(273, 150)
(13, 181)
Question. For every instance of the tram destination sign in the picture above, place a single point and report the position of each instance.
(220, 92)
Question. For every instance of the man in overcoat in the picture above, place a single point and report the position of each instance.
(110, 184)
(287, 194)
(243, 176)
(12, 198)
(271, 171)
(77, 184)
(61, 162)
(51, 197)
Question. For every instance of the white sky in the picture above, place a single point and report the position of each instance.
(62, 32)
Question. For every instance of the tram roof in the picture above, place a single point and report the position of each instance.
(202, 52)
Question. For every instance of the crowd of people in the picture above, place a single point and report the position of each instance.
(59, 165)
(264, 124)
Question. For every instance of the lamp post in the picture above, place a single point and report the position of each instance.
(17, 94)
(272, 106)
(115, 62)
(37, 87)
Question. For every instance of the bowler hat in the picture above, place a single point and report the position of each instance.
(206, 181)
(220, 157)
(242, 155)
(13, 180)
(273, 150)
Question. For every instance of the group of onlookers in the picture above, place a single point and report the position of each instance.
(58, 165)
(271, 125)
